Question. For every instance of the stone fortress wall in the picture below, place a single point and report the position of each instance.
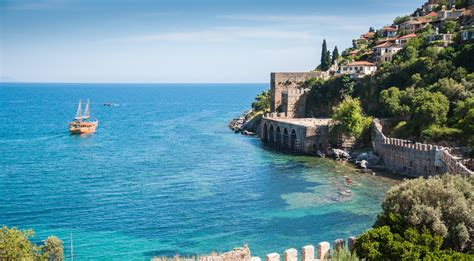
(281, 83)
(303, 135)
(415, 159)
(308, 253)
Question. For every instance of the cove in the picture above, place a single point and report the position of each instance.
(163, 174)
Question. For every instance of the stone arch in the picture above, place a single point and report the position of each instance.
(285, 140)
(265, 132)
(294, 141)
(278, 135)
(271, 134)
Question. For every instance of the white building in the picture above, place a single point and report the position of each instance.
(451, 14)
(403, 40)
(358, 69)
(385, 52)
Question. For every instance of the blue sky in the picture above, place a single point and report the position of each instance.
(175, 40)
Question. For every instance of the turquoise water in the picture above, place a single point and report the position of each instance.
(163, 175)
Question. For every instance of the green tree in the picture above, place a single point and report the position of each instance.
(53, 249)
(395, 102)
(262, 102)
(429, 108)
(335, 55)
(348, 118)
(448, 26)
(451, 89)
(325, 57)
(15, 244)
(464, 120)
(401, 19)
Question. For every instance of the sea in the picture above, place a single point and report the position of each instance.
(164, 176)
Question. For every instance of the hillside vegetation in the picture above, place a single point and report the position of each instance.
(426, 90)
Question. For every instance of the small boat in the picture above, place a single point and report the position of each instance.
(82, 122)
(111, 104)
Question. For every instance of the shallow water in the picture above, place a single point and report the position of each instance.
(163, 175)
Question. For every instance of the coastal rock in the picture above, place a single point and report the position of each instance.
(370, 158)
(237, 254)
(248, 122)
(338, 154)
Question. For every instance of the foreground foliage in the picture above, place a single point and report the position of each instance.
(15, 244)
(423, 219)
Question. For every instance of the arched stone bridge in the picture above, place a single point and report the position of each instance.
(305, 135)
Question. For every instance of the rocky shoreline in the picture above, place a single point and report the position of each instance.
(248, 123)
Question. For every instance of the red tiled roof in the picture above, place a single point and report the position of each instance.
(361, 63)
(389, 28)
(432, 14)
(354, 52)
(407, 36)
(367, 35)
(384, 45)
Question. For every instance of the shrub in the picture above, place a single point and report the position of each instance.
(262, 102)
(443, 204)
(436, 133)
(53, 248)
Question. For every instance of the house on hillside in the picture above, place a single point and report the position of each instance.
(385, 52)
(358, 69)
(440, 39)
(403, 40)
(467, 34)
(389, 31)
(415, 25)
(367, 35)
(450, 14)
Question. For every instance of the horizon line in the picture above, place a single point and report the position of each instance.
(1, 82)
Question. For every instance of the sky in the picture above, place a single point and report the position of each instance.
(178, 41)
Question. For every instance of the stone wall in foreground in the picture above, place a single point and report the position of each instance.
(414, 158)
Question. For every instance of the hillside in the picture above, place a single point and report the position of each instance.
(417, 72)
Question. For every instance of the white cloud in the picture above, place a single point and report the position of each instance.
(339, 22)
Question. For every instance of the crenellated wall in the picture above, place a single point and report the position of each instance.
(293, 103)
(309, 253)
(414, 159)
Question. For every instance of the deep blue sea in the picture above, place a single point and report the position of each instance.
(163, 175)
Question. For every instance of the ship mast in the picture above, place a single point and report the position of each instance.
(87, 111)
(79, 111)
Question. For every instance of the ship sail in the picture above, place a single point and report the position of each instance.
(87, 111)
(79, 111)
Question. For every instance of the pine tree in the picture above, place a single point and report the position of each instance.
(335, 55)
(324, 57)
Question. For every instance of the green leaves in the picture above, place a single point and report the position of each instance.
(15, 244)
(423, 219)
(262, 102)
(349, 119)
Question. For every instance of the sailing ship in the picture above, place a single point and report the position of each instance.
(82, 122)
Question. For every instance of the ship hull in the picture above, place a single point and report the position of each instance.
(82, 127)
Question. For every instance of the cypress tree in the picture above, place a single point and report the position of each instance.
(328, 59)
(335, 55)
(324, 57)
